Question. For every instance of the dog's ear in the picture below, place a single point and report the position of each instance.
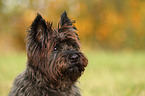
(65, 20)
(38, 31)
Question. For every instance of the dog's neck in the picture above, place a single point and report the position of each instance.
(42, 81)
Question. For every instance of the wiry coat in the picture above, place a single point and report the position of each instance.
(54, 63)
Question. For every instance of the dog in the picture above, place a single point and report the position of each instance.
(54, 60)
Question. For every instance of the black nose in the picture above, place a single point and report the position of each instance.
(74, 57)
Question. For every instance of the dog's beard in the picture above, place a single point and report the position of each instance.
(66, 69)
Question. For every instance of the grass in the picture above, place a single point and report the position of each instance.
(108, 73)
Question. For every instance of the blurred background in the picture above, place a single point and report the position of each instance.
(112, 33)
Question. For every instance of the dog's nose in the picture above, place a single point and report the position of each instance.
(74, 57)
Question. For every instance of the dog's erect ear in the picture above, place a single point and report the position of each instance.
(38, 32)
(65, 20)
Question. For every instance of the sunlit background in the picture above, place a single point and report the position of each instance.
(112, 33)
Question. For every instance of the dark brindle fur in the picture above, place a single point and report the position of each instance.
(55, 61)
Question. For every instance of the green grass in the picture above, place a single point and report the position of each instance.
(108, 73)
(10, 66)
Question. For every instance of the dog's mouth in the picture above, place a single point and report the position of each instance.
(73, 68)
(74, 71)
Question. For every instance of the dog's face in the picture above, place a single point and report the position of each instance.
(55, 53)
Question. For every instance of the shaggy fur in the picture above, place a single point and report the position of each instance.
(54, 63)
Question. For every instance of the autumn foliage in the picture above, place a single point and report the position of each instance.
(111, 24)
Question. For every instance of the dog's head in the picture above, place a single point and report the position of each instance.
(55, 53)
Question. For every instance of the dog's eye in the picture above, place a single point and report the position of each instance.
(58, 47)
(55, 49)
